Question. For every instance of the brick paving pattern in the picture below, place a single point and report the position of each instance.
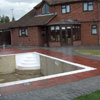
(59, 92)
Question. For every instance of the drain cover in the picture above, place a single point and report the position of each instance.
(27, 84)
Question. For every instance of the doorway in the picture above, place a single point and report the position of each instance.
(69, 36)
(66, 36)
(5, 38)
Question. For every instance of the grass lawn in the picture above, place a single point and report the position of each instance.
(92, 96)
(89, 52)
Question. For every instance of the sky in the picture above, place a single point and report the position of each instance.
(18, 7)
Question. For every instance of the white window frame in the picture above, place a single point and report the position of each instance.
(87, 6)
(23, 32)
(94, 29)
(65, 8)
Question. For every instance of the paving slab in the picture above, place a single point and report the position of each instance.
(59, 92)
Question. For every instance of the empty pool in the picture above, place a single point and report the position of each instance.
(33, 66)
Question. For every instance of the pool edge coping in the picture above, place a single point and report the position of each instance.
(86, 68)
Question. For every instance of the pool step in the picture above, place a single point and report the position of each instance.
(28, 61)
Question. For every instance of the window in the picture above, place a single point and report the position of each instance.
(88, 6)
(65, 9)
(76, 32)
(43, 31)
(23, 32)
(45, 9)
(94, 29)
(52, 28)
(57, 28)
(68, 27)
(63, 28)
(54, 33)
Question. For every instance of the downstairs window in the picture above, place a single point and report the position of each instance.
(23, 32)
(94, 29)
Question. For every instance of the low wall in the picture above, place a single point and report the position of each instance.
(77, 43)
(50, 66)
(7, 64)
(54, 44)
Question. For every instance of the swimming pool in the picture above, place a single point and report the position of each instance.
(48, 66)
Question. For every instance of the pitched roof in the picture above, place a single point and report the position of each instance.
(6, 26)
(28, 20)
(53, 2)
(62, 22)
(56, 2)
(39, 20)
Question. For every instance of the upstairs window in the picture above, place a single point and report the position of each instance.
(65, 9)
(23, 32)
(45, 9)
(94, 29)
(88, 6)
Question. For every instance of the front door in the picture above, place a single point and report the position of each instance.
(66, 36)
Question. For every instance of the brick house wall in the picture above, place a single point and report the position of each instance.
(34, 37)
(86, 34)
(76, 13)
(87, 18)
(52, 9)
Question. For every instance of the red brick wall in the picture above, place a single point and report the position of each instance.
(77, 13)
(39, 11)
(34, 37)
(86, 34)
(54, 44)
(52, 9)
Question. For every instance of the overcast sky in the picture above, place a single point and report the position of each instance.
(20, 7)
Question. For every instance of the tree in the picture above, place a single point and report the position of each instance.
(13, 19)
(7, 19)
(4, 19)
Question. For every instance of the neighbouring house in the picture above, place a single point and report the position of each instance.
(55, 23)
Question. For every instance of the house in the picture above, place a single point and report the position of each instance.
(56, 23)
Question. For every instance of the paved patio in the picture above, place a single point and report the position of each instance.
(69, 50)
(59, 92)
(61, 88)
